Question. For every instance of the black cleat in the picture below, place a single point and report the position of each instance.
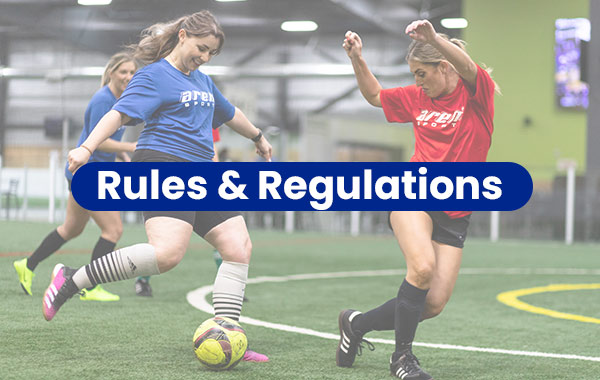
(350, 341)
(142, 287)
(407, 367)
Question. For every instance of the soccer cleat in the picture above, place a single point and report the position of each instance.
(252, 356)
(98, 293)
(350, 341)
(142, 287)
(58, 291)
(407, 367)
(25, 275)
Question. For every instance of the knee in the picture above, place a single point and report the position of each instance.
(421, 274)
(69, 231)
(167, 258)
(248, 249)
(238, 251)
(113, 233)
(244, 251)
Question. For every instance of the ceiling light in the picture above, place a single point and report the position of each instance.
(94, 2)
(299, 26)
(454, 23)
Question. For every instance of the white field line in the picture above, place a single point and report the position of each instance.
(197, 298)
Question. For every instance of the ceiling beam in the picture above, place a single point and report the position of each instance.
(368, 12)
(333, 101)
(451, 9)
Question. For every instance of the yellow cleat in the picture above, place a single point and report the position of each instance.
(98, 294)
(25, 275)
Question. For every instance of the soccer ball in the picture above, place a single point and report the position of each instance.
(220, 343)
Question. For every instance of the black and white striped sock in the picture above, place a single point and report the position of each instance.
(122, 264)
(228, 291)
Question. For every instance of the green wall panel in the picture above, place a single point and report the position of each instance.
(516, 39)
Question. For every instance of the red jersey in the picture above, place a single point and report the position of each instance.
(452, 128)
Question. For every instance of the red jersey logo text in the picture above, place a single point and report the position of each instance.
(436, 119)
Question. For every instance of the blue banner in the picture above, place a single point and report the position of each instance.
(302, 186)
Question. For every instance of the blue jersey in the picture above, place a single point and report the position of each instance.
(179, 110)
(102, 102)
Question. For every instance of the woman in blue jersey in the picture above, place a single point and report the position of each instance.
(180, 105)
(117, 74)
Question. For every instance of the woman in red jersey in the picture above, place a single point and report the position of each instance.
(451, 107)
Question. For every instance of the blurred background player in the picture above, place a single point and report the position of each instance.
(452, 110)
(177, 129)
(117, 74)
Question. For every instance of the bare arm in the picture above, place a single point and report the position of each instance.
(113, 146)
(103, 130)
(244, 127)
(423, 31)
(367, 83)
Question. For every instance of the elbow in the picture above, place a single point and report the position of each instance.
(473, 67)
(374, 100)
(471, 72)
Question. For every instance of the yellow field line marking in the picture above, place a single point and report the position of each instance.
(511, 299)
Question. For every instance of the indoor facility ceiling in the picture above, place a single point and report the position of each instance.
(105, 28)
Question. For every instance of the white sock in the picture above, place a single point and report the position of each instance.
(122, 264)
(228, 291)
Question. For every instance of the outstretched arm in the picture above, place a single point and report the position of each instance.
(367, 83)
(103, 130)
(244, 127)
(423, 31)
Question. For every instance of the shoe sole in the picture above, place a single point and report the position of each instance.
(337, 352)
(254, 361)
(25, 290)
(54, 273)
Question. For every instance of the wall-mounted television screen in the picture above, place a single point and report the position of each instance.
(571, 38)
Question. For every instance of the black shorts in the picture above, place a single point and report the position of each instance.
(446, 230)
(202, 221)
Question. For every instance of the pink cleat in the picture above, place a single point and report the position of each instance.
(57, 294)
(252, 356)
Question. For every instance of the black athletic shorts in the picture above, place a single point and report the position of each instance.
(203, 221)
(446, 230)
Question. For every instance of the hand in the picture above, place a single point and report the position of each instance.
(421, 31)
(352, 44)
(77, 158)
(264, 149)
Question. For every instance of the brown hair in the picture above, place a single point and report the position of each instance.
(113, 65)
(427, 54)
(160, 39)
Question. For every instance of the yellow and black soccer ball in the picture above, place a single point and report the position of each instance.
(220, 343)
